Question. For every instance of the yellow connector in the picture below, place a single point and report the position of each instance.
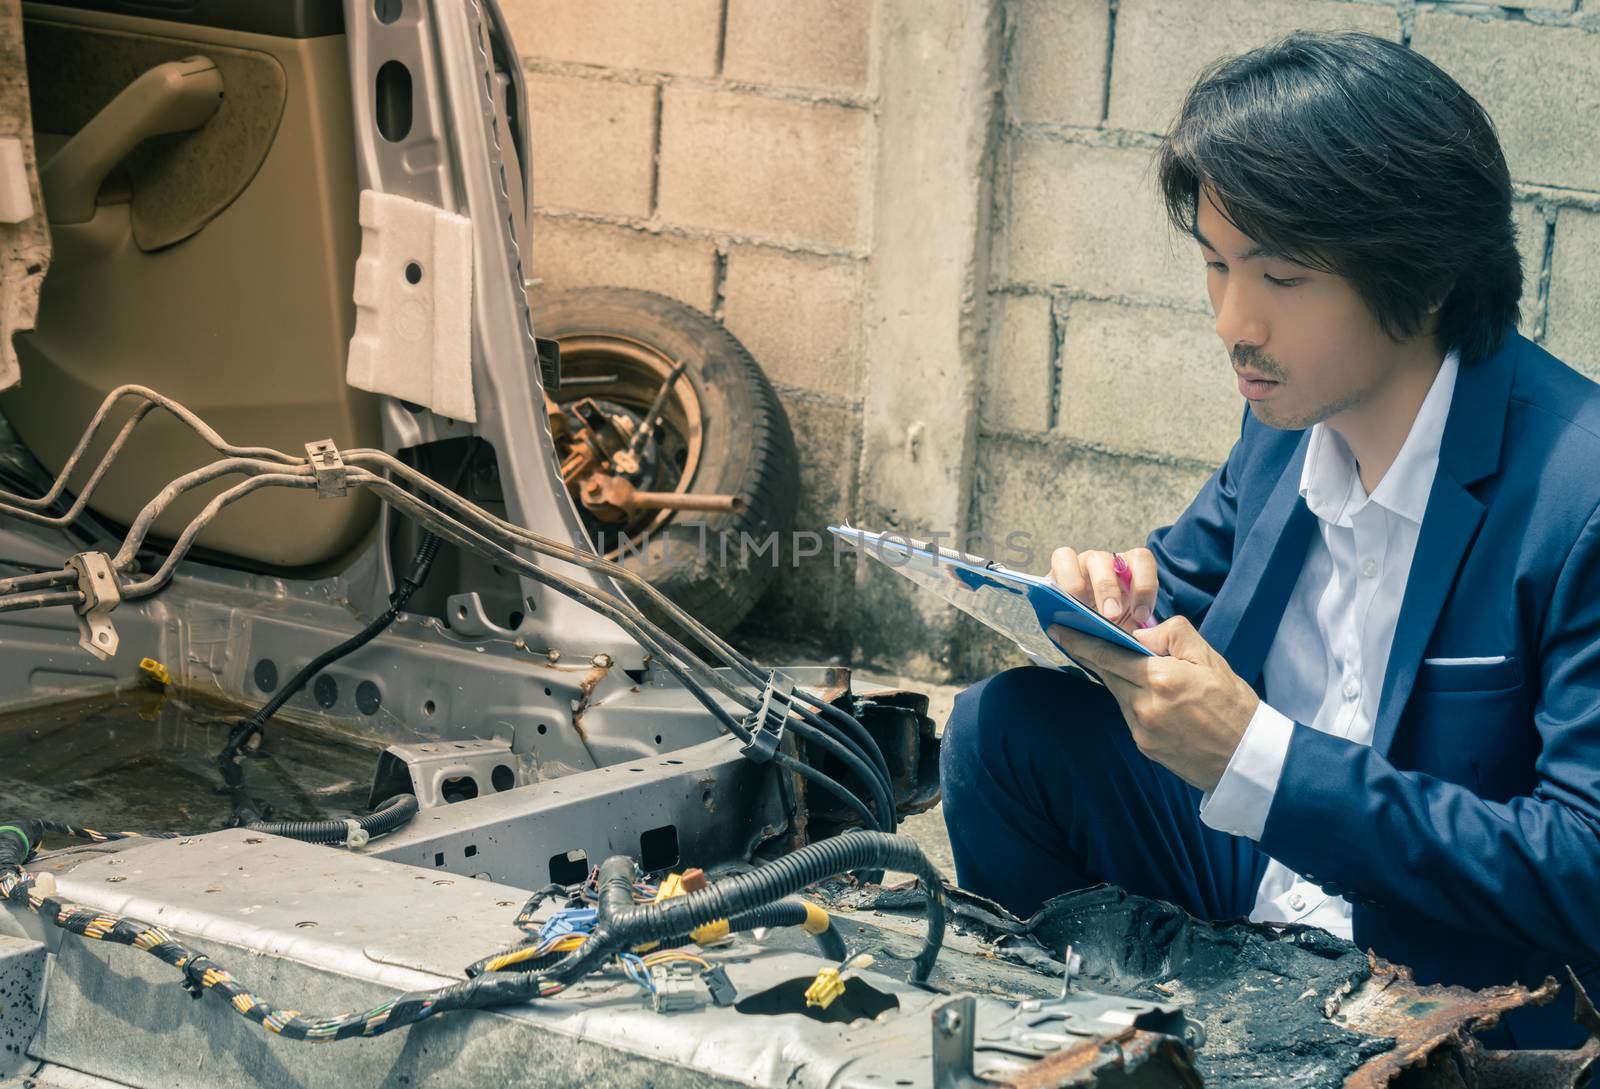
(825, 988)
(711, 933)
(155, 671)
(671, 885)
(816, 919)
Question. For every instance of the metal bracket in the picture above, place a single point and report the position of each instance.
(952, 1045)
(97, 582)
(468, 619)
(440, 772)
(766, 722)
(330, 469)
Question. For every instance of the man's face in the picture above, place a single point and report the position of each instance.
(1306, 335)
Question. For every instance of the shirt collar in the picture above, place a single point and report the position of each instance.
(1331, 484)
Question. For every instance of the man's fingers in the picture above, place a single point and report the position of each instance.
(1067, 573)
(1146, 578)
(1107, 589)
(1177, 638)
(1101, 656)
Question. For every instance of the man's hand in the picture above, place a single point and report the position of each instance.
(1092, 579)
(1187, 709)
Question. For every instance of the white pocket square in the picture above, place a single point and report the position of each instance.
(1492, 660)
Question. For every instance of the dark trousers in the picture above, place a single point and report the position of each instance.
(1045, 792)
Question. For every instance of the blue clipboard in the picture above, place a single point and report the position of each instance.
(1018, 605)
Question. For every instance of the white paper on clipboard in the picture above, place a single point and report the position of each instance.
(1016, 604)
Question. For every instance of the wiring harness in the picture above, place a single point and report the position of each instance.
(620, 925)
(94, 583)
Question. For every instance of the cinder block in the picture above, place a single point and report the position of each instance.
(1162, 45)
(799, 315)
(809, 600)
(1090, 218)
(1052, 494)
(1542, 5)
(1541, 85)
(1061, 60)
(1018, 379)
(1147, 380)
(827, 438)
(790, 171)
(822, 44)
(593, 144)
(1573, 330)
(677, 36)
(573, 253)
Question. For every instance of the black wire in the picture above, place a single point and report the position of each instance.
(828, 783)
(857, 763)
(229, 759)
(865, 749)
(655, 640)
(855, 726)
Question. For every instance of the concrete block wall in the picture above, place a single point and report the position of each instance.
(936, 227)
(721, 152)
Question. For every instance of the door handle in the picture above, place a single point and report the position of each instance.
(174, 97)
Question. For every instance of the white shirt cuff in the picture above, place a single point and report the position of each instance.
(1238, 804)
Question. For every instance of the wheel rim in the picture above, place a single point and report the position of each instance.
(619, 372)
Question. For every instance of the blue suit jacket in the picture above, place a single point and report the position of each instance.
(1467, 836)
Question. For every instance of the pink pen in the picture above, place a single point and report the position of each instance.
(1125, 577)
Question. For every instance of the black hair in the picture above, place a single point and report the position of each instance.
(1355, 155)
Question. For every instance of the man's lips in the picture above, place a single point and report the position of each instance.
(1255, 386)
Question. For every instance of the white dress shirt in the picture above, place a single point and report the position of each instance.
(1327, 662)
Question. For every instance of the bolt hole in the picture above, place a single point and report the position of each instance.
(413, 272)
(458, 788)
(461, 612)
(429, 707)
(103, 637)
(569, 867)
(543, 728)
(388, 11)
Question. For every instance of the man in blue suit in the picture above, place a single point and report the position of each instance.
(1376, 702)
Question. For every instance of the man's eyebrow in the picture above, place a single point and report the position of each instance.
(1249, 254)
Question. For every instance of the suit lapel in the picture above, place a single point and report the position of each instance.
(1448, 527)
(1244, 617)
(1469, 452)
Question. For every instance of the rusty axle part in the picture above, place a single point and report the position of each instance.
(614, 499)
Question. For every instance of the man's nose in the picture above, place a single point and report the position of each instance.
(1239, 318)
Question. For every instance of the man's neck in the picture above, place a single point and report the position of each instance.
(1376, 429)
